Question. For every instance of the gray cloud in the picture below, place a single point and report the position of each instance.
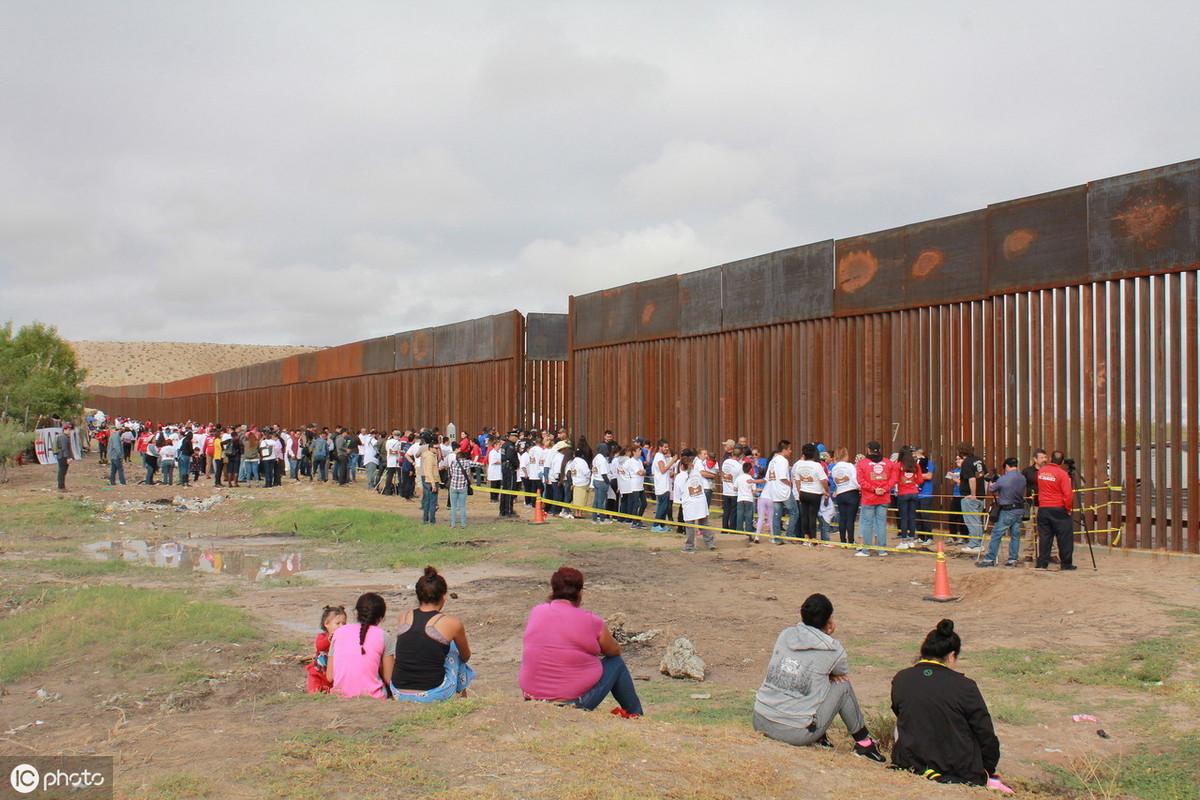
(304, 173)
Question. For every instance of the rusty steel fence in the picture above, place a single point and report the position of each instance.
(1065, 321)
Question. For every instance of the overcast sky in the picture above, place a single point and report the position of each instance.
(316, 173)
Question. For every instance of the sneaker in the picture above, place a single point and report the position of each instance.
(985, 563)
(623, 714)
(1042, 567)
(688, 550)
(1012, 563)
(971, 548)
(658, 529)
(904, 544)
(823, 742)
(862, 554)
(870, 752)
(926, 542)
(1066, 567)
(881, 553)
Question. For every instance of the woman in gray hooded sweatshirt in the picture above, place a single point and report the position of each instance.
(808, 684)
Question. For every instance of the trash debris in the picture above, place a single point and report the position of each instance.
(702, 696)
(42, 696)
(681, 661)
(1083, 718)
(1052, 749)
(11, 731)
(624, 636)
(1103, 734)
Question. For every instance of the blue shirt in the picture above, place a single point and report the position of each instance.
(927, 486)
(1010, 488)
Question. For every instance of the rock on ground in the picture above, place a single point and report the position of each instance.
(681, 661)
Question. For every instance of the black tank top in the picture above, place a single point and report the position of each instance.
(420, 660)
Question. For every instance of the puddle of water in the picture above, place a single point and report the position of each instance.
(199, 558)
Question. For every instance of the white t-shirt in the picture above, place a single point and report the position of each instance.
(704, 481)
(537, 460)
(662, 480)
(777, 488)
(622, 468)
(730, 469)
(494, 472)
(744, 484)
(679, 486)
(599, 466)
(370, 451)
(581, 473)
(523, 462)
(394, 452)
(167, 452)
(636, 471)
(808, 475)
(845, 477)
(695, 503)
(554, 460)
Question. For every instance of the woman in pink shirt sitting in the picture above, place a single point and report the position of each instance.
(361, 656)
(570, 655)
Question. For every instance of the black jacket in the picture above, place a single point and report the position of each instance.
(943, 724)
(509, 457)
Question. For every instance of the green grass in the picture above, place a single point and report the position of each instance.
(1011, 711)
(1167, 775)
(37, 515)
(421, 716)
(183, 786)
(1014, 663)
(132, 628)
(671, 701)
(68, 567)
(384, 539)
(1145, 663)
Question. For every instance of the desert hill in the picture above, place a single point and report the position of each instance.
(119, 363)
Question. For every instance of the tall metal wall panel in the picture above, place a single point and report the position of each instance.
(786, 285)
(700, 302)
(546, 337)
(1146, 222)
(1038, 241)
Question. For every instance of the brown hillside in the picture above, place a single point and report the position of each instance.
(119, 363)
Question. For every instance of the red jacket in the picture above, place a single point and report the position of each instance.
(1054, 489)
(876, 480)
(909, 482)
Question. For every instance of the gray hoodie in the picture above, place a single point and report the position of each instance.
(798, 675)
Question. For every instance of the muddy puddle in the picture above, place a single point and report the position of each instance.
(191, 557)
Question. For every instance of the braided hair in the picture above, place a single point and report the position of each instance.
(369, 610)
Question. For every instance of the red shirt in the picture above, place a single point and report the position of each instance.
(876, 479)
(908, 482)
(1054, 489)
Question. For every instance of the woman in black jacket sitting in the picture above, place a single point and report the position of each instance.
(943, 729)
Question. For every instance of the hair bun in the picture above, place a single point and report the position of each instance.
(946, 627)
(431, 572)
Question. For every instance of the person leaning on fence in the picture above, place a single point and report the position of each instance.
(1009, 490)
(570, 656)
(808, 684)
(943, 729)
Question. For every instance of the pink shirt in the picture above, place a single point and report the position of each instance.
(356, 674)
(561, 659)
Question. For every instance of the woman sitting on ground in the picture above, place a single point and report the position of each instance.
(431, 648)
(361, 656)
(808, 684)
(570, 655)
(944, 731)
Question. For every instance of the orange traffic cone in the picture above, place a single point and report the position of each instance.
(539, 513)
(941, 579)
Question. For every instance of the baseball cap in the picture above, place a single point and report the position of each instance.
(728, 443)
(873, 447)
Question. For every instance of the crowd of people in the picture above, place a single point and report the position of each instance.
(569, 657)
(807, 493)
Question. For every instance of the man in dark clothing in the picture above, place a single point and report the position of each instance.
(64, 453)
(1055, 494)
(973, 487)
(341, 447)
(510, 461)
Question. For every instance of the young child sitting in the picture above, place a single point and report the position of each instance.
(332, 618)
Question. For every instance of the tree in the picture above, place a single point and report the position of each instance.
(13, 442)
(39, 375)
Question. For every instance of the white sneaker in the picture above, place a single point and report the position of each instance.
(863, 554)
(881, 553)
(971, 548)
(906, 544)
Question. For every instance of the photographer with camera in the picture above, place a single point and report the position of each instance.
(1055, 497)
(1009, 491)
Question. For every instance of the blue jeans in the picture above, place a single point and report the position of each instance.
(150, 469)
(872, 520)
(352, 466)
(973, 510)
(458, 506)
(777, 518)
(116, 469)
(252, 470)
(745, 515)
(185, 467)
(907, 504)
(458, 678)
(847, 505)
(662, 507)
(321, 468)
(614, 679)
(428, 502)
(600, 500)
(168, 472)
(1010, 523)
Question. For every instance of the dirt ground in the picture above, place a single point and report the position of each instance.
(1035, 641)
